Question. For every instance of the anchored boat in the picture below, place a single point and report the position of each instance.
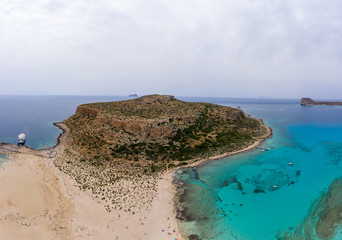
(21, 138)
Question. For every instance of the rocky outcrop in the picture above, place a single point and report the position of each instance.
(310, 102)
(83, 110)
(149, 99)
(307, 102)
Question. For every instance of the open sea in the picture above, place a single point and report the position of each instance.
(35, 115)
(255, 195)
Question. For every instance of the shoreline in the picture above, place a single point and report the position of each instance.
(32, 203)
(89, 219)
(179, 190)
(56, 124)
(85, 215)
(257, 143)
(163, 212)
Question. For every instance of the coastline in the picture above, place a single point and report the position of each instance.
(87, 217)
(179, 190)
(157, 223)
(56, 124)
(251, 147)
(32, 204)
(84, 216)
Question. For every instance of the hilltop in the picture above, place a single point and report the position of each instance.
(160, 130)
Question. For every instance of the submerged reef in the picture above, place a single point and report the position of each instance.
(203, 216)
(323, 219)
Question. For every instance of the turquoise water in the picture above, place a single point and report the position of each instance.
(3, 159)
(234, 198)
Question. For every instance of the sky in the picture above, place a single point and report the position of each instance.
(223, 48)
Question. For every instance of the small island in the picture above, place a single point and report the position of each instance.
(310, 102)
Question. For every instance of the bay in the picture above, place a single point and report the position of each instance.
(260, 195)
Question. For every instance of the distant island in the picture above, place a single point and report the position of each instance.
(133, 95)
(310, 102)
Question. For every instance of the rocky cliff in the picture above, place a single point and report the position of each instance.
(310, 102)
(159, 130)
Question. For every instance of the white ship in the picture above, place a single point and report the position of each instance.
(21, 138)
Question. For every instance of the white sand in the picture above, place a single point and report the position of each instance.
(38, 201)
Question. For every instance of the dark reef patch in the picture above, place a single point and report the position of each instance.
(258, 190)
(194, 237)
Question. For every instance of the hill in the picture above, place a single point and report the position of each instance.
(159, 130)
(118, 150)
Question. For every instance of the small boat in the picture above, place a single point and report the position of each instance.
(266, 149)
(290, 163)
(21, 138)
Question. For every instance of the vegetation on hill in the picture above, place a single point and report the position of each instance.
(159, 131)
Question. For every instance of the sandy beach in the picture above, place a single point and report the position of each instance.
(32, 203)
(38, 201)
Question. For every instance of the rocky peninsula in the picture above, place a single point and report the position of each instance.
(159, 130)
(112, 176)
(310, 102)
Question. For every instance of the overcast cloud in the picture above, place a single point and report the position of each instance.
(246, 48)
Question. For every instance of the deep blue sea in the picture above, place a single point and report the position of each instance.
(231, 198)
(35, 115)
(261, 195)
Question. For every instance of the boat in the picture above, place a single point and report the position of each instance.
(290, 163)
(266, 150)
(21, 138)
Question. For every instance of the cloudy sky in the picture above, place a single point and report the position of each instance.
(227, 48)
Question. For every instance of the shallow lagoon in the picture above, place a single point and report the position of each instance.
(234, 198)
